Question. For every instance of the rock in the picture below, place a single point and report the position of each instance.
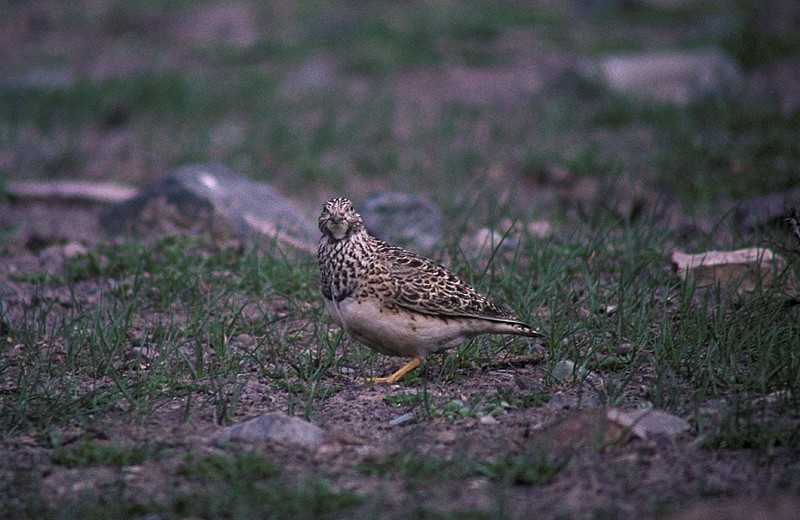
(646, 423)
(487, 419)
(410, 221)
(740, 270)
(59, 253)
(73, 249)
(231, 24)
(590, 428)
(142, 356)
(540, 229)
(215, 199)
(487, 241)
(52, 258)
(671, 77)
(559, 401)
(402, 419)
(446, 437)
(315, 74)
(565, 370)
(765, 209)
(275, 428)
(585, 397)
(601, 428)
(69, 191)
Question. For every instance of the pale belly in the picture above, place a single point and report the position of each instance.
(399, 333)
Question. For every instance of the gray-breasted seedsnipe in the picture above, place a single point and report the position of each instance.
(394, 301)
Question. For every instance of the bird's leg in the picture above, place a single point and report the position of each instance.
(405, 369)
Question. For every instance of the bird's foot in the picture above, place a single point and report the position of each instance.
(391, 379)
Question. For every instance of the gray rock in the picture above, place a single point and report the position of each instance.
(560, 401)
(215, 198)
(649, 422)
(487, 242)
(52, 258)
(565, 370)
(765, 209)
(275, 428)
(410, 221)
(402, 419)
(672, 77)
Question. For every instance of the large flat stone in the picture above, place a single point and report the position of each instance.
(672, 77)
(275, 428)
(215, 198)
(410, 221)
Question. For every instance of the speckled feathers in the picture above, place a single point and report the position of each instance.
(395, 301)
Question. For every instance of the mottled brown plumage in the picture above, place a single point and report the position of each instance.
(396, 302)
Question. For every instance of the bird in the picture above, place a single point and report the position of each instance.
(396, 302)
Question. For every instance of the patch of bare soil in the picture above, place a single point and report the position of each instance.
(633, 479)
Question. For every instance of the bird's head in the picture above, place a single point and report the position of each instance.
(339, 220)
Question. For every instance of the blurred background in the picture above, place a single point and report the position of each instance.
(525, 102)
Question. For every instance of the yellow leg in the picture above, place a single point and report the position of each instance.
(405, 369)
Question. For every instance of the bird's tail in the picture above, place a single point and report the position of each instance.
(523, 329)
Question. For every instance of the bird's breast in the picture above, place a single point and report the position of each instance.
(396, 332)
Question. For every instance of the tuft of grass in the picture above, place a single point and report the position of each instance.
(507, 398)
(752, 431)
(216, 485)
(419, 471)
(249, 500)
(476, 406)
(721, 148)
(243, 485)
(93, 453)
(107, 104)
(733, 346)
(755, 44)
(404, 399)
(224, 467)
(529, 469)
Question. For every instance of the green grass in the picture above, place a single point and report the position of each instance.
(107, 104)
(453, 408)
(313, 134)
(93, 453)
(223, 467)
(735, 346)
(185, 302)
(242, 485)
(232, 485)
(527, 468)
(181, 302)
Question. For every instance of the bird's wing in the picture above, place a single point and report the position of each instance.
(421, 285)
